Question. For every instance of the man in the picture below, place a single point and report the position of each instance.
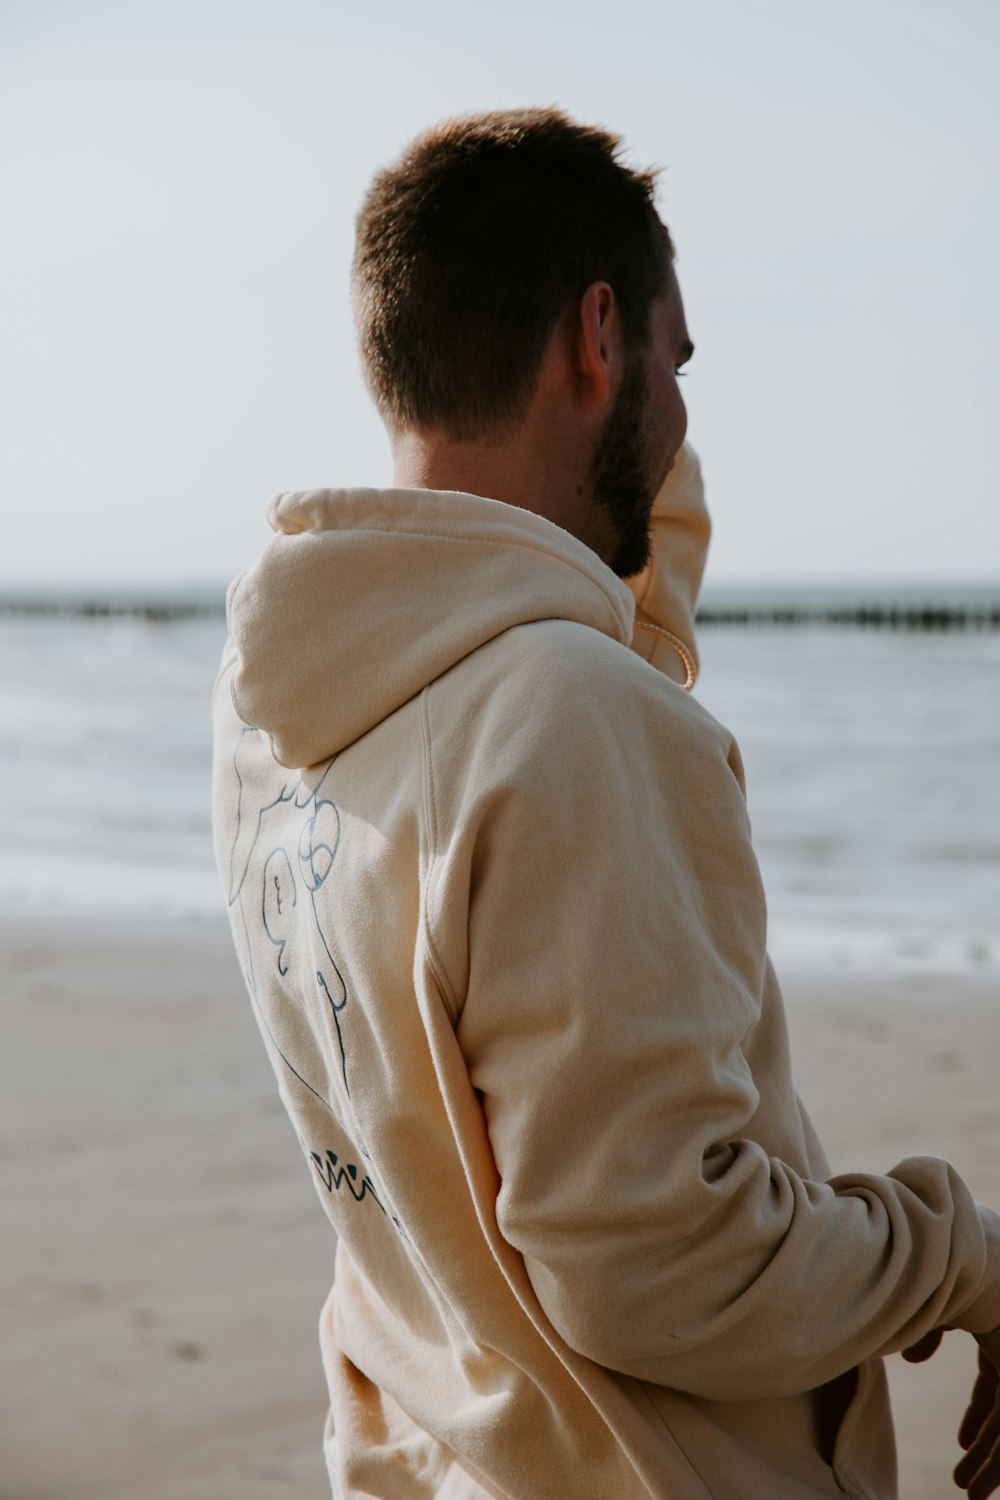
(491, 883)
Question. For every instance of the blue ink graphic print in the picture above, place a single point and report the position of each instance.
(284, 880)
(283, 855)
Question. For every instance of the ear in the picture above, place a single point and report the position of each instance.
(598, 340)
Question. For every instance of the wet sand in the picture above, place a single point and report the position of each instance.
(165, 1259)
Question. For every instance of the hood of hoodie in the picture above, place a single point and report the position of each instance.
(365, 595)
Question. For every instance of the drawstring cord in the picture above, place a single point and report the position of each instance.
(679, 647)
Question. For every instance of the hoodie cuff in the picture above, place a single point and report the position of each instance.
(983, 1313)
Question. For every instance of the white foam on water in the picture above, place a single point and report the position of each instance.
(890, 952)
(871, 757)
(34, 884)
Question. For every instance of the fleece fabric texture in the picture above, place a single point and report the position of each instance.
(491, 883)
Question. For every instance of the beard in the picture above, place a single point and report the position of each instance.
(619, 481)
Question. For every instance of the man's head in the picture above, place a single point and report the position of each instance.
(494, 241)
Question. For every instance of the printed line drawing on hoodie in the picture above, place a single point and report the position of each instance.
(271, 899)
(334, 1176)
(279, 886)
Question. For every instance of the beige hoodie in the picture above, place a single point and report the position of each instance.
(491, 884)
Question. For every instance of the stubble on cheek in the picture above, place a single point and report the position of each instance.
(619, 478)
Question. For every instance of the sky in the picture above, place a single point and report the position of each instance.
(180, 181)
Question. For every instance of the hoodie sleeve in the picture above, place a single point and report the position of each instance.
(666, 591)
(616, 972)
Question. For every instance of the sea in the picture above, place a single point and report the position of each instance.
(871, 750)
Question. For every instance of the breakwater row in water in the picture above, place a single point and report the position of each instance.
(159, 606)
(871, 616)
(890, 607)
(106, 609)
(871, 605)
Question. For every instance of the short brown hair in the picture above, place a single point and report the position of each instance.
(470, 247)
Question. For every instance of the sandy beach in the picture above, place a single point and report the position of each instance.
(165, 1259)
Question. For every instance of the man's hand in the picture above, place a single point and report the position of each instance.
(927, 1346)
(979, 1472)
